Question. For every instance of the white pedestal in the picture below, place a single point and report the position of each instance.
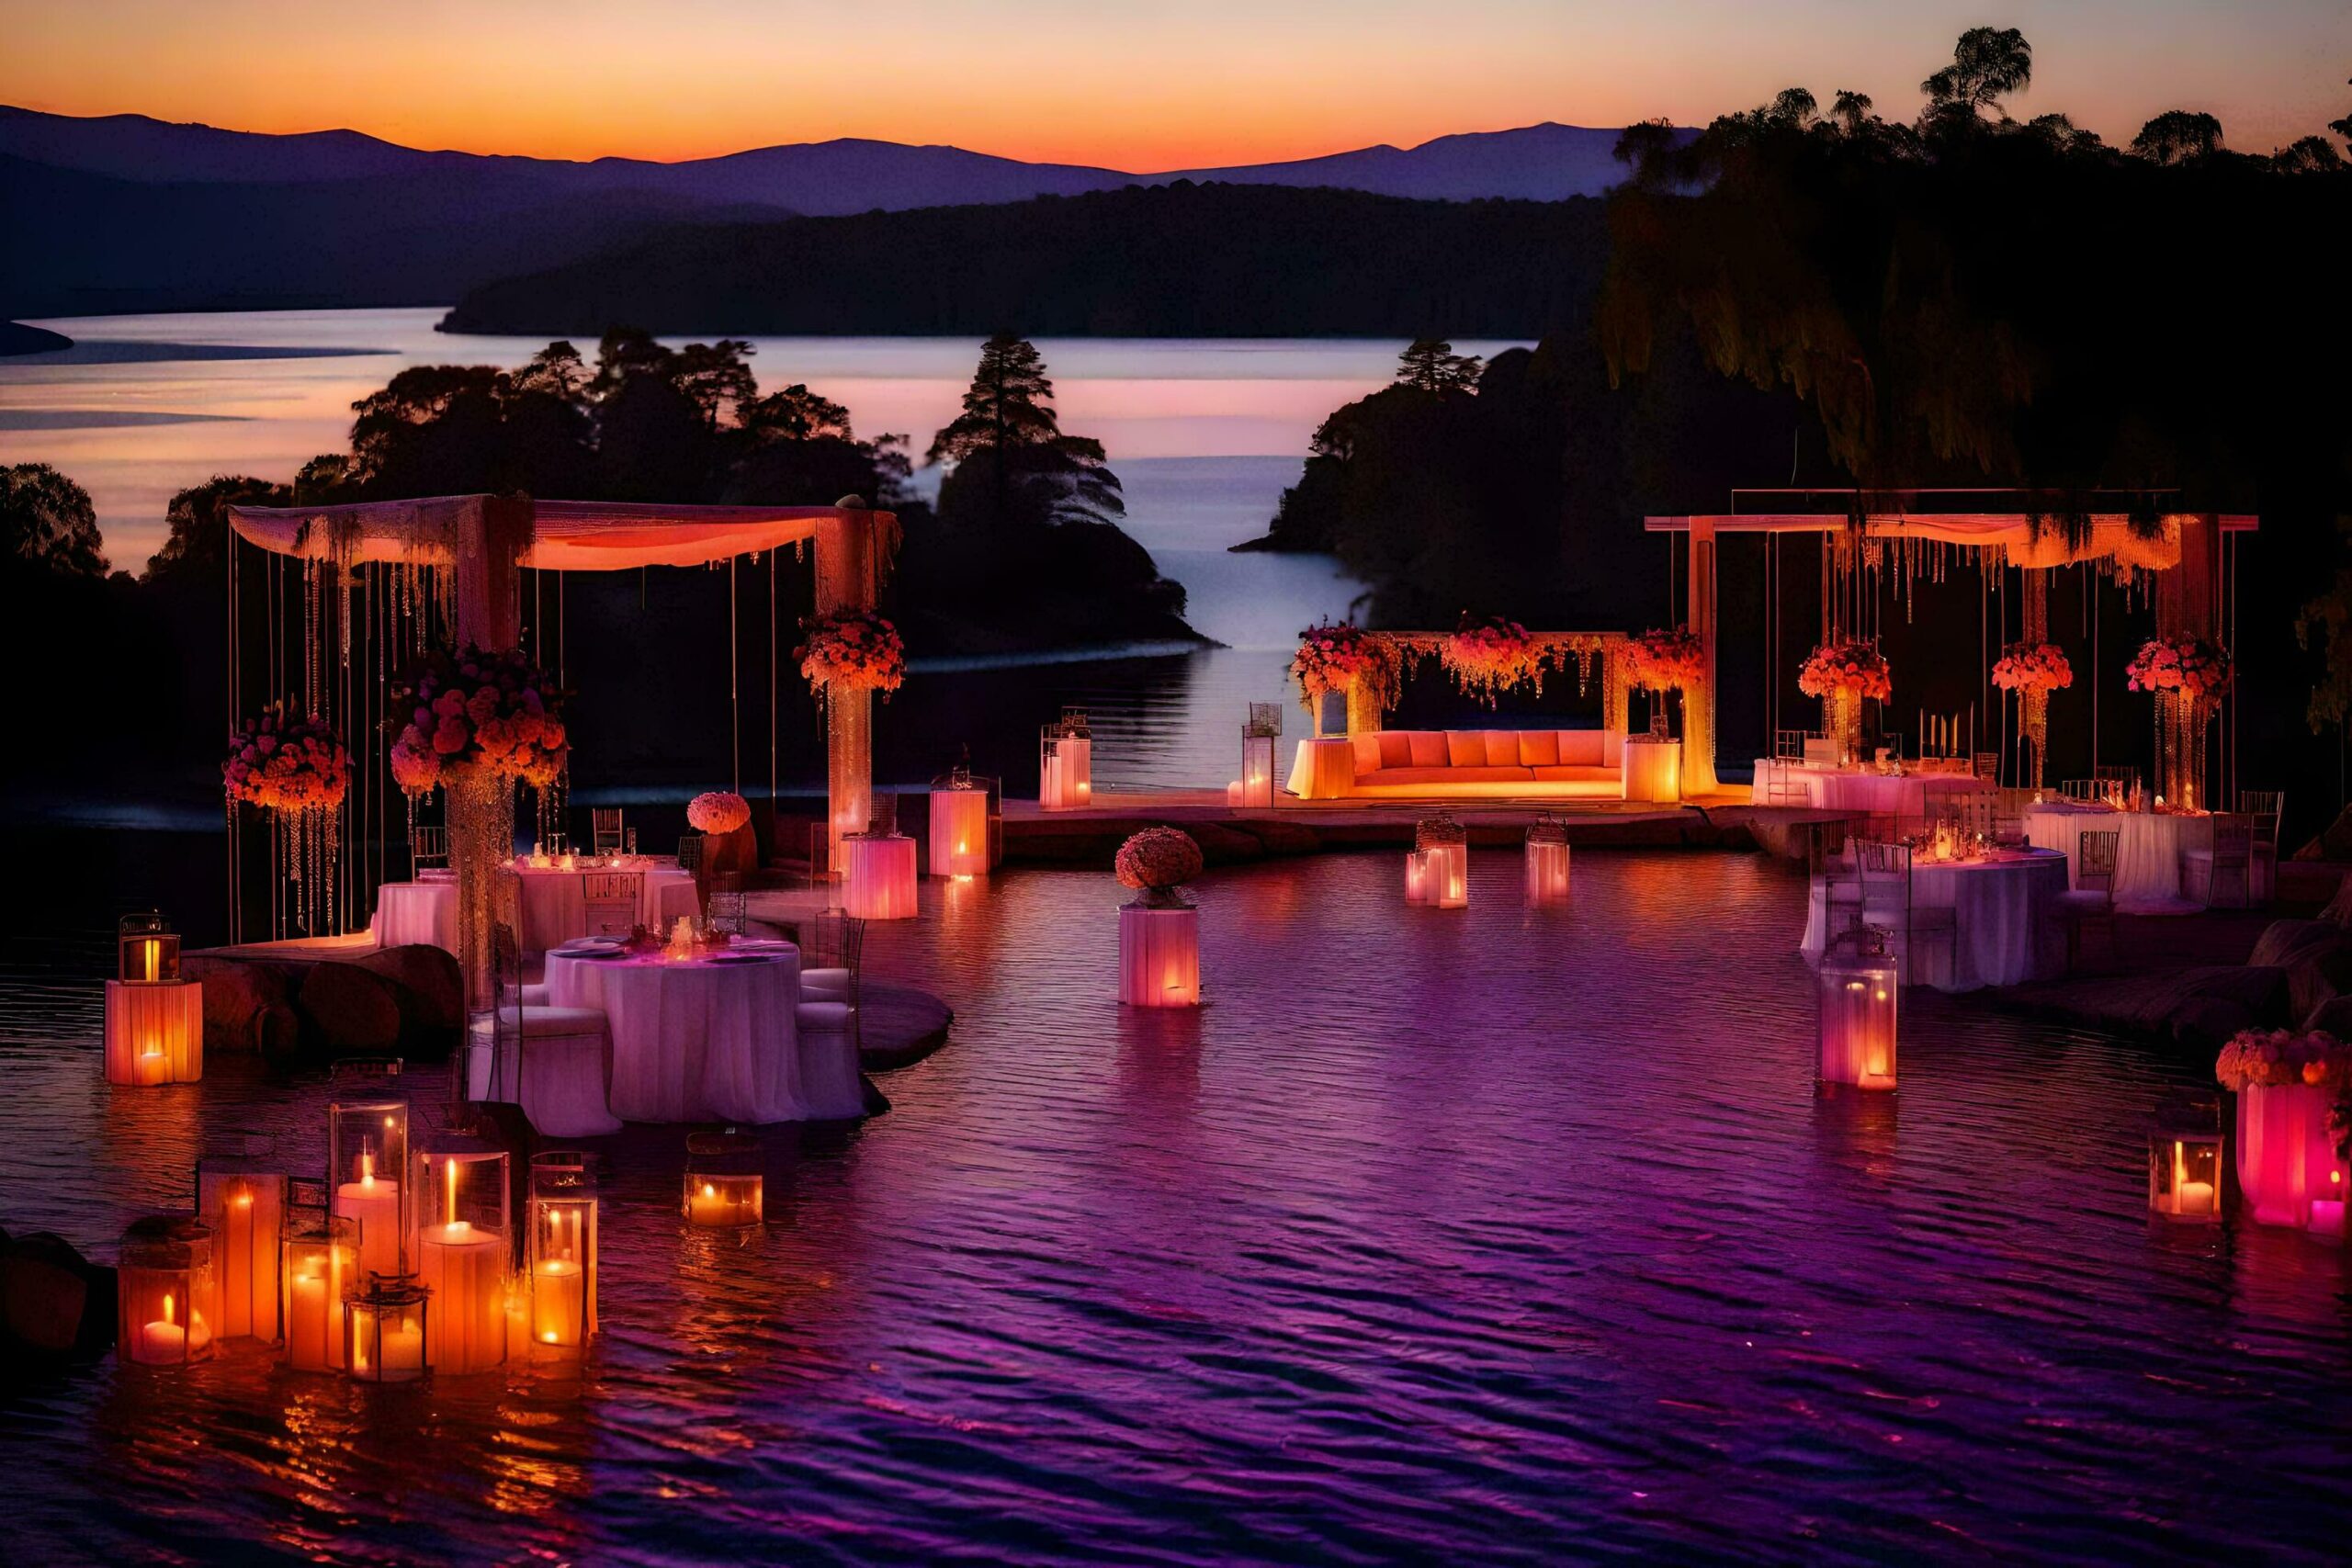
(880, 884)
(1322, 769)
(959, 832)
(1653, 769)
(154, 1035)
(1159, 957)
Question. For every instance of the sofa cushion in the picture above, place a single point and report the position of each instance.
(1391, 776)
(1365, 749)
(1502, 749)
(1612, 748)
(1538, 748)
(1427, 747)
(1396, 748)
(1574, 773)
(1580, 748)
(1465, 749)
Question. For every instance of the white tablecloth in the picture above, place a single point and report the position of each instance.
(555, 903)
(1999, 908)
(2148, 847)
(416, 912)
(1322, 769)
(1846, 789)
(700, 1041)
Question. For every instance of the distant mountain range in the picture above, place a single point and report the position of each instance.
(124, 212)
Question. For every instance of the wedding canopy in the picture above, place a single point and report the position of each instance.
(564, 535)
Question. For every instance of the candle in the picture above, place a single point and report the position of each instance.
(559, 1302)
(399, 1351)
(465, 1267)
(376, 1205)
(726, 1201)
(244, 1216)
(162, 1341)
(314, 1318)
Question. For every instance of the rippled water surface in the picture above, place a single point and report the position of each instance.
(1481, 1237)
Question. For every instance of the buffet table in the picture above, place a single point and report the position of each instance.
(712, 1038)
(1857, 789)
(2148, 847)
(1999, 906)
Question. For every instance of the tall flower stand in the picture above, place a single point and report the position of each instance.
(2288, 1166)
(1159, 955)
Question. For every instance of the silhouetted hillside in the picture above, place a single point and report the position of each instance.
(1183, 260)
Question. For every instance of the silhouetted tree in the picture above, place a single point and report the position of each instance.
(2177, 136)
(1011, 465)
(198, 544)
(1987, 65)
(1430, 365)
(47, 522)
(2308, 155)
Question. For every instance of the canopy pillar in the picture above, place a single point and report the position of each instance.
(848, 577)
(491, 534)
(1698, 705)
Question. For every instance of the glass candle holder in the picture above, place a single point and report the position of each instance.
(462, 1226)
(1547, 870)
(166, 1291)
(154, 1032)
(368, 1169)
(1256, 769)
(1858, 993)
(241, 1193)
(726, 1187)
(384, 1327)
(960, 830)
(562, 1252)
(2185, 1174)
(147, 951)
(318, 1267)
(1416, 877)
(1446, 876)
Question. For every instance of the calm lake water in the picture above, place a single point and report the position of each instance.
(1503, 1236)
(1205, 435)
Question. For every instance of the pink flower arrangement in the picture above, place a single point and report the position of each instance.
(1335, 657)
(2188, 664)
(1664, 662)
(2280, 1059)
(497, 711)
(1850, 666)
(281, 763)
(718, 811)
(852, 650)
(1157, 860)
(1489, 658)
(2032, 667)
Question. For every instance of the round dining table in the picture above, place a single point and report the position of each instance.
(420, 913)
(1999, 906)
(1855, 789)
(555, 900)
(2148, 849)
(712, 1038)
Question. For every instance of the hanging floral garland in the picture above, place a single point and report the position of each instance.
(1338, 658)
(1664, 662)
(2188, 675)
(851, 650)
(296, 770)
(1489, 657)
(2033, 670)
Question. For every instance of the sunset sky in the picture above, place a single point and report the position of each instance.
(1139, 86)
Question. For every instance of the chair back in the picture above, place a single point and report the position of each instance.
(2086, 792)
(614, 899)
(833, 939)
(1788, 745)
(2233, 839)
(1988, 766)
(428, 845)
(730, 911)
(2009, 807)
(604, 822)
(690, 851)
(2094, 860)
(1825, 851)
(2120, 775)
(2265, 807)
(1891, 742)
(1886, 881)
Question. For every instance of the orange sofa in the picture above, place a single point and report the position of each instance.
(1566, 763)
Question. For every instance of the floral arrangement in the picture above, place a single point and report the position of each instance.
(1334, 657)
(281, 763)
(1157, 860)
(852, 650)
(2280, 1059)
(717, 811)
(2190, 664)
(1489, 658)
(2032, 667)
(1664, 662)
(1548, 829)
(1849, 666)
(498, 713)
(1443, 829)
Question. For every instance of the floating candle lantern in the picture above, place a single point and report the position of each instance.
(367, 1159)
(1258, 754)
(243, 1197)
(167, 1298)
(2185, 1174)
(1858, 992)
(726, 1189)
(1547, 861)
(1416, 877)
(1159, 955)
(147, 952)
(1447, 880)
(562, 1253)
(319, 1264)
(880, 884)
(461, 1250)
(154, 1021)
(960, 832)
(384, 1329)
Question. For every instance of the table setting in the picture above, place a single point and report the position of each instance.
(1998, 899)
(2149, 844)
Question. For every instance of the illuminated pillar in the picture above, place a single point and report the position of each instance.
(1698, 704)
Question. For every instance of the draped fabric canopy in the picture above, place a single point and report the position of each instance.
(564, 535)
(2111, 535)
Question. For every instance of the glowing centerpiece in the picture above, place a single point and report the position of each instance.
(1442, 848)
(2185, 1174)
(1258, 737)
(1066, 763)
(295, 768)
(461, 1251)
(1547, 861)
(879, 882)
(243, 1197)
(1844, 674)
(154, 1019)
(1160, 934)
(1858, 992)
(847, 657)
(384, 1329)
(2291, 1088)
(2189, 675)
(166, 1291)
(1344, 659)
(726, 1185)
(959, 826)
(367, 1156)
(562, 1245)
(318, 1264)
(2033, 670)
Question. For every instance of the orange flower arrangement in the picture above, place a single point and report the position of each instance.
(279, 762)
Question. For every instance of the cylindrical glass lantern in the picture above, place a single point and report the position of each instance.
(366, 1165)
(147, 951)
(461, 1249)
(319, 1267)
(1446, 876)
(1547, 861)
(384, 1330)
(166, 1291)
(1159, 955)
(1256, 769)
(562, 1252)
(1416, 877)
(959, 827)
(1858, 992)
(2185, 1174)
(881, 881)
(241, 1193)
(154, 1033)
(726, 1185)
